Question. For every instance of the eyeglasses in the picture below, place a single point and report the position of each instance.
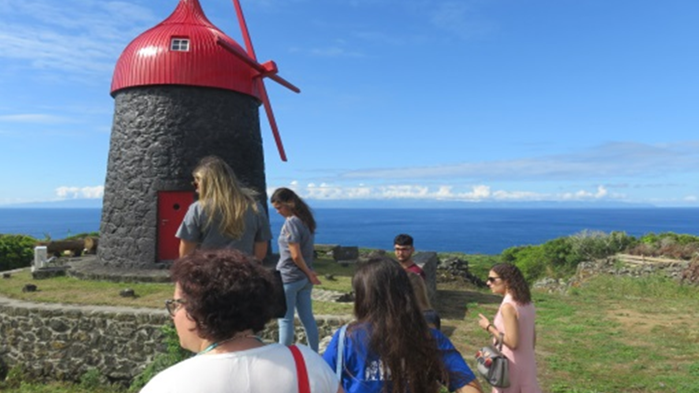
(173, 305)
(493, 279)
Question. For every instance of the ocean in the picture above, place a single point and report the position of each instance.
(472, 231)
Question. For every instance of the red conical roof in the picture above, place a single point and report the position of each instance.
(149, 59)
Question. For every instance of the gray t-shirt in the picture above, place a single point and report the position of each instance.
(194, 229)
(294, 231)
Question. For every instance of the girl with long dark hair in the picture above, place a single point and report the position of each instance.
(390, 348)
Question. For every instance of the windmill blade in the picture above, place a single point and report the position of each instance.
(268, 69)
(244, 29)
(283, 82)
(272, 121)
(261, 85)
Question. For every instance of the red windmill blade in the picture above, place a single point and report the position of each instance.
(266, 70)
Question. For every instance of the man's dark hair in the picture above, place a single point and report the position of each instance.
(403, 240)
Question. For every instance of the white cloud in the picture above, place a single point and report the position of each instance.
(34, 118)
(690, 198)
(76, 36)
(621, 159)
(65, 192)
(477, 193)
(334, 51)
(462, 19)
(586, 195)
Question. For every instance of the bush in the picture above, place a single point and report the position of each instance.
(590, 245)
(92, 379)
(16, 251)
(667, 244)
(560, 257)
(529, 259)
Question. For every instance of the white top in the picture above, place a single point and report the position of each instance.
(270, 368)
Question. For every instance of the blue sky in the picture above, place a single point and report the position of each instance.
(472, 100)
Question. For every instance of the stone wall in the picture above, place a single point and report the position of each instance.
(61, 342)
(617, 265)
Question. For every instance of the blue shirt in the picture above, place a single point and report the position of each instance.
(362, 371)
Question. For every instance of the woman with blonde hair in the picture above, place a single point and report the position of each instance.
(226, 215)
(514, 325)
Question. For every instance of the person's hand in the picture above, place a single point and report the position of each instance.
(483, 322)
(313, 278)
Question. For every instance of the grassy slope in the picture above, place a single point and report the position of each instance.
(611, 335)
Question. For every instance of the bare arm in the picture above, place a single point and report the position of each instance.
(297, 257)
(260, 250)
(186, 247)
(511, 333)
(473, 387)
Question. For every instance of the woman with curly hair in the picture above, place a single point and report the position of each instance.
(226, 215)
(514, 325)
(389, 348)
(222, 297)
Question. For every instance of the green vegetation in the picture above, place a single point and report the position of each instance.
(560, 257)
(91, 382)
(609, 334)
(174, 354)
(16, 251)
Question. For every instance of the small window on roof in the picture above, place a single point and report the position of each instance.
(179, 44)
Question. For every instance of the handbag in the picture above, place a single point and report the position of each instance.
(301, 371)
(493, 365)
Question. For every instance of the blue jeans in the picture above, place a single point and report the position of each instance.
(298, 297)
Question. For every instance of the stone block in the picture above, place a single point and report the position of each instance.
(428, 261)
(345, 254)
(49, 272)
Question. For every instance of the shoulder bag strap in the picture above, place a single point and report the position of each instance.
(340, 352)
(301, 372)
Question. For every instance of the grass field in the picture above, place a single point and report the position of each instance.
(608, 335)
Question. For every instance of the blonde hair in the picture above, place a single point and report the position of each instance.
(220, 193)
(420, 290)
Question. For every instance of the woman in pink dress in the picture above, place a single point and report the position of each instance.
(515, 321)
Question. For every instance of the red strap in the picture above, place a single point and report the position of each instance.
(301, 372)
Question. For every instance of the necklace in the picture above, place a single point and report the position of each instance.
(218, 343)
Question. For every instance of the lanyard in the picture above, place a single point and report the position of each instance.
(217, 344)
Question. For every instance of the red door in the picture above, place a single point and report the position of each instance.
(172, 206)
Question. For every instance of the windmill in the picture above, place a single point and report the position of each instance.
(182, 90)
